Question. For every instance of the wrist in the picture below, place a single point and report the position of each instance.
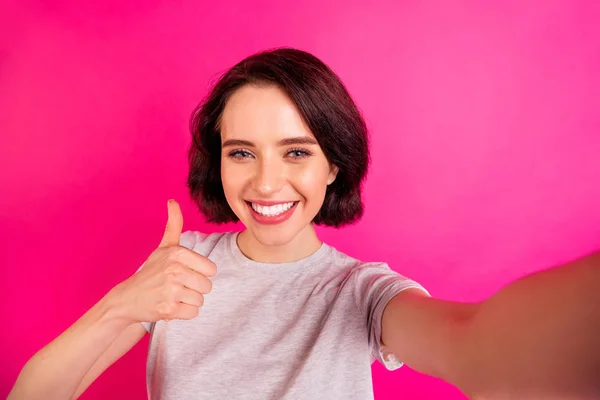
(114, 310)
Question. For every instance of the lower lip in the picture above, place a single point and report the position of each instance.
(271, 220)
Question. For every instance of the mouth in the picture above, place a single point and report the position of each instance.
(271, 212)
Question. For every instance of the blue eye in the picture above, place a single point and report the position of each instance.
(240, 154)
(298, 153)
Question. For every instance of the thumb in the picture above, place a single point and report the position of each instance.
(174, 225)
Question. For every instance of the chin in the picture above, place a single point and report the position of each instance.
(273, 236)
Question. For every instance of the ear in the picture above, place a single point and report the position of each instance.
(333, 171)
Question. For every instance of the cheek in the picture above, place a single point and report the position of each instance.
(231, 180)
(312, 183)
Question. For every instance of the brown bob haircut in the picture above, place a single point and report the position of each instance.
(328, 111)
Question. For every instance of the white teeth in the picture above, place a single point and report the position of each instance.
(271, 211)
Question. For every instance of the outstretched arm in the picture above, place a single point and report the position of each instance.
(538, 337)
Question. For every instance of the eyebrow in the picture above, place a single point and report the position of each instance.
(284, 142)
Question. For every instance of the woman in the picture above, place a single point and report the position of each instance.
(280, 145)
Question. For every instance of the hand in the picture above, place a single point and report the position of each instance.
(171, 283)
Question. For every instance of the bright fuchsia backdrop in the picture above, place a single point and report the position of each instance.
(485, 145)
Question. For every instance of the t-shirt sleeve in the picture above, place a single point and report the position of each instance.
(376, 284)
(187, 239)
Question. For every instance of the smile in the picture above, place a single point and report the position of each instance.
(271, 212)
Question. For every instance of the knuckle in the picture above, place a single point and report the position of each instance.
(177, 292)
(165, 309)
(174, 268)
(168, 294)
(174, 252)
(169, 268)
(169, 279)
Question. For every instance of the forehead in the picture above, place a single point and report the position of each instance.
(261, 112)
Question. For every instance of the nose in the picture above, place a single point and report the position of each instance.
(268, 178)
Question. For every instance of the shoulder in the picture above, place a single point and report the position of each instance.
(355, 266)
(375, 279)
(204, 243)
(361, 275)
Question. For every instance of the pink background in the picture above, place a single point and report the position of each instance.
(485, 142)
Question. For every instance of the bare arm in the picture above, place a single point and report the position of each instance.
(423, 332)
(538, 337)
(57, 370)
(125, 342)
(171, 285)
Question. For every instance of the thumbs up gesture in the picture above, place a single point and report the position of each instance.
(171, 283)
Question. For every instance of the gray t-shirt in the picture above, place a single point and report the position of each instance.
(304, 330)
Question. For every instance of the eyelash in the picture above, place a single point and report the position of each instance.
(239, 154)
(303, 153)
(242, 153)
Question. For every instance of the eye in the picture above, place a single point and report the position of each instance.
(298, 153)
(239, 154)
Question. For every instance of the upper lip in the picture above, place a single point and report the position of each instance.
(267, 203)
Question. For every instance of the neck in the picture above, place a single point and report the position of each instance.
(301, 246)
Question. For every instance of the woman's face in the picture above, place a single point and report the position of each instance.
(273, 171)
